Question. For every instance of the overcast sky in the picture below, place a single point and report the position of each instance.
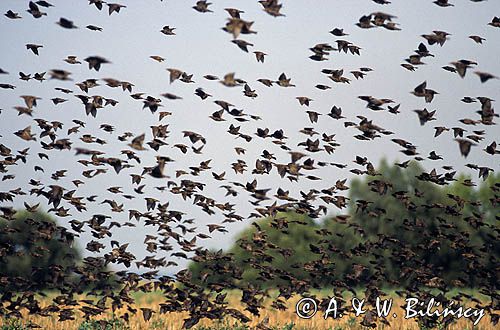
(201, 47)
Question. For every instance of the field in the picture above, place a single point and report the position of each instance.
(269, 319)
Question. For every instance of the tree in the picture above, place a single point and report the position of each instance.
(438, 225)
(293, 244)
(401, 230)
(35, 253)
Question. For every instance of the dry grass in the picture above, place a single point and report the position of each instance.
(277, 320)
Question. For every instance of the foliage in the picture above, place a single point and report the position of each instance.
(429, 219)
(397, 228)
(16, 324)
(34, 251)
(226, 325)
(37, 254)
(112, 324)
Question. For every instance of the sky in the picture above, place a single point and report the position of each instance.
(201, 47)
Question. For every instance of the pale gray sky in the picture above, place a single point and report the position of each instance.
(201, 47)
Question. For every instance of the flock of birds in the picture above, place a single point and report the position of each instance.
(177, 237)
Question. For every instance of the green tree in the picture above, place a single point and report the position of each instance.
(35, 253)
(400, 230)
(426, 226)
(288, 235)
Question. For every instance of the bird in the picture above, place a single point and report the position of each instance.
(304, 100)
(272, 7)
(477, 39)
(492, 149)
(174, 74)
(34, 48)
(234, 12)
(167, 30)
(66, 23)
(424, 115)
(157, 58)
(422, 91)
(283, 81)
(178, 166)
(44, 4)
(440, 130)
(94, 27)
(495, 22)
(114, 8)
(95, 62)
(202, 6)
(72, 60)
(242, 44)
(259, 56)
(485, 76)
(201, 93)
(462, 65)
(465, 146)
(443, 3)
(35, 11)
(338, 32)
(12, 15)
